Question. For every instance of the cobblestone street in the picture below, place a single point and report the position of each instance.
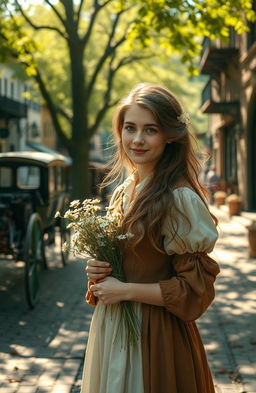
(42, 350)
(228, 327)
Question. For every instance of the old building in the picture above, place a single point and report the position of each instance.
(13, 109)
(25, 124)
(19, 116)
(229, 98)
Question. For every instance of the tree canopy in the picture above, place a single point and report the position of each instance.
(99, 43)
(180, 25)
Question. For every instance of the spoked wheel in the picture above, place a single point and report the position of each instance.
(65, 238)
(35, 260)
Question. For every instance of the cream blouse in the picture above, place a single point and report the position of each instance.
(200, 236)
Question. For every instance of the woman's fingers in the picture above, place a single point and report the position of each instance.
(110, 290)
(97, 270)
(97, 265)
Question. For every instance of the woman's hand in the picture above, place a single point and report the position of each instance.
(109, 290)
(97, 270)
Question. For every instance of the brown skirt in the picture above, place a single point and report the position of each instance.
(173, 355)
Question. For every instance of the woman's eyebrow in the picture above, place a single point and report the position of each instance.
(148, 124)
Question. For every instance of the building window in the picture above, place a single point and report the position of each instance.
(34, 130)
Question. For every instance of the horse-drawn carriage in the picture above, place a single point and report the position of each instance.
(33, 186)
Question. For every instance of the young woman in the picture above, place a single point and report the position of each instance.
(169, 274)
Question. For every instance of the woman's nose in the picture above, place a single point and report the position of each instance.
(138, 138)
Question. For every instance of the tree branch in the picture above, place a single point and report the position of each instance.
(95, 11)
(63, 21)
(106, 98)
(53, 110)
(131, 59)
(70, 16)
(36, 27)
(64, 113)
(111, 74)
(109, 50)
(78, 13)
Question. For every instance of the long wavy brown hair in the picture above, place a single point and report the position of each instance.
(177, 166)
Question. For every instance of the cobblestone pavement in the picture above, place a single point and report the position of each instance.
(42, 350)
(228, 328)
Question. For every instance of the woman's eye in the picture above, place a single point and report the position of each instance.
(151, 130)
(129, 128)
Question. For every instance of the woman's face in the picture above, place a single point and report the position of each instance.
(142, 139)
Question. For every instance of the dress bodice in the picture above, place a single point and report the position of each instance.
(146, 264)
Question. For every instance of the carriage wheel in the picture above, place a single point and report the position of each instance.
(34, 258)
(64, 238)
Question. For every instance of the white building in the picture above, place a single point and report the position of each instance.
(20, 118)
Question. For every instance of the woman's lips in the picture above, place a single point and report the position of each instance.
(139, 151)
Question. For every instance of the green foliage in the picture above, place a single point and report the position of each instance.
(180, 23)
(85, 55)
(168, 72)
(172, 26)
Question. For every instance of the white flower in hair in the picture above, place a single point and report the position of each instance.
(184, 118)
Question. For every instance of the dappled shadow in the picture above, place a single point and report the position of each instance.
(228, 327)
(57, 326)
(46, 344)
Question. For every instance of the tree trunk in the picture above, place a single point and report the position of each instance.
(78, 90)
(81, 176)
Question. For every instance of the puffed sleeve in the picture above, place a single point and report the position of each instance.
(89, 297)
(198, 233)
(188, 294)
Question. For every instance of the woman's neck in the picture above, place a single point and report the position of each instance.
(140, 175)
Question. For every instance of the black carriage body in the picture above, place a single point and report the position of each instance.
(30, 182)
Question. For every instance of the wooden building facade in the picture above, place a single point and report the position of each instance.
(229, 98)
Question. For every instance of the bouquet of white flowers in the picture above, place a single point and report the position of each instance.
(100, 237)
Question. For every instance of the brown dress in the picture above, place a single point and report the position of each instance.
(173, 356)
